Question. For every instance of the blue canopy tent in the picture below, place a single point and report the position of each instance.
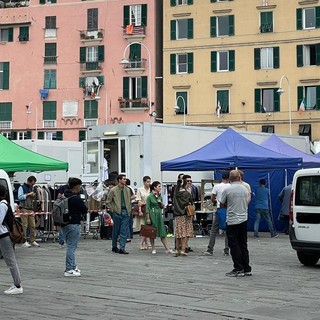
(231, 150)
(274, 143)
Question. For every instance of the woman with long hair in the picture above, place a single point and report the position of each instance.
(184, 227)
(154, 216)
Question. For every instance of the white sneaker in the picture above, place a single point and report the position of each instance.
(26, 245)
(72, 273)
(77, 269)
(154, 252)
(35, 244)
(170, 251)
(14, 290)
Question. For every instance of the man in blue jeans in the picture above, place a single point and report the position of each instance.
(119, 203)
(71, 229)
(262, 209)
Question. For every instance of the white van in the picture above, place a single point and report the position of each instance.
(305, 215)
(5, 181)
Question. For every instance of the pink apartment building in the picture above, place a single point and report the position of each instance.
(67, 65)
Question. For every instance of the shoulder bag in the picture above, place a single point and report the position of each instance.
(190, 210)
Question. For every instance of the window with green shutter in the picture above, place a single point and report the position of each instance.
(100, 53)
(182, 102)
(222, 26)
(309, 97)
(5, 111)
(266, 58)
(4, 75)
(50, 79)
(50, 53)
(135, 52)
(222, 61)
(6, 34)
(308, 55)
(24, 34)
(92, 19)
(49, 110)
(91, 109)
(173, 59)
(267, 100)
(222, 102)
(190, 62)
(308, 18)
(40, 135)
(266, 21)
(182, 29)
(82, 135)
(135, 15)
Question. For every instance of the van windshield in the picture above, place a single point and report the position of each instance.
(308, 191)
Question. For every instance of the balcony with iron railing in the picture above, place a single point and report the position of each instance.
(134, 33)
(50, 60)
(90, 67)
(91, 35)
(266, 27)
(13, 4)
(133, 105)
(135, 66)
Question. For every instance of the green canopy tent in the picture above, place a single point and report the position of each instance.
(15, 158)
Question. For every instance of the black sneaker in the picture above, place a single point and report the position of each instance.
(188, 249)
(235, 273)
(115, 249)
(121, 251)
(208, 253)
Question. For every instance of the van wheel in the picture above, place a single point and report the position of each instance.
(307, 259)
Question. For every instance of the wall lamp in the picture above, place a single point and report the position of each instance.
(111, 133)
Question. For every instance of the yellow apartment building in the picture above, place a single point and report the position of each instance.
(247, 64)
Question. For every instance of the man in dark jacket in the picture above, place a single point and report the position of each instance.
(71, 230)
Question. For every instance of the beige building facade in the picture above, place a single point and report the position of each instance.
(225, 61)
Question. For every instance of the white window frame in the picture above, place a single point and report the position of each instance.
(181, 2)
(135, 90)
(92, 54)
(22, 135)
(50, 135)
(266, 58)
(304, 18)
(181, 65)
(310, 97)
(183, 28)
(219, 54)
(6, 134)
(49, 124)
(217, 26)
(222, 112)
(136, 15)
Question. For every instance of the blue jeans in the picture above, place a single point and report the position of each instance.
(213, 234)
(72, 235)
(120, 227)
(61, 236)
(264, 213)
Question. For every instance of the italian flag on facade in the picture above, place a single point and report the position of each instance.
(302, 106)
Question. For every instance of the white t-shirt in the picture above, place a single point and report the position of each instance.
(218, 189)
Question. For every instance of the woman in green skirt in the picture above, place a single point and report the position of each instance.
(154, 207)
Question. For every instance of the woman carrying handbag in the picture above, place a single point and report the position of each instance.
(154, 216)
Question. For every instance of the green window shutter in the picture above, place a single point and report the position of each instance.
(213, 27)
(223, 99)
(53, 79)
(276, 57)
(49, 110)
(300, 96)
(101, 79)
(276, 100)
(173, 66)
(50, 49)
(213, 1)
(126, 15)
(318, 97)
(173, 3)
(5, 111)
(299, 18)
(10, 35)
(190, 2)
(317, 17)
(29, 134)
(182, 102)
(14, 135)
(6, 75)
(42, 1)
(59, 135)
(144, 14)
(125, 92)
(213, 61)
(135, 51)
(100, 53)
(82, 82)
(257, 100)
(82, 135)
(257, 65)
(231, 60)
(318, 54)
(83, 55)
(190, 62)
(50, 79)
(190, 28)
(173, 31)
(299, 56)
(40, 135)
(53, 1)
(231, 25)
(91, 109)
(24, 33)
(144, 87)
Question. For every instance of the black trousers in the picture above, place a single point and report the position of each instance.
(237, 240)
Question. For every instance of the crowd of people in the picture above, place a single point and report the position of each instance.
(232, 196)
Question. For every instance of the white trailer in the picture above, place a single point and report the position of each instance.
(137, 149)
(68, 151)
